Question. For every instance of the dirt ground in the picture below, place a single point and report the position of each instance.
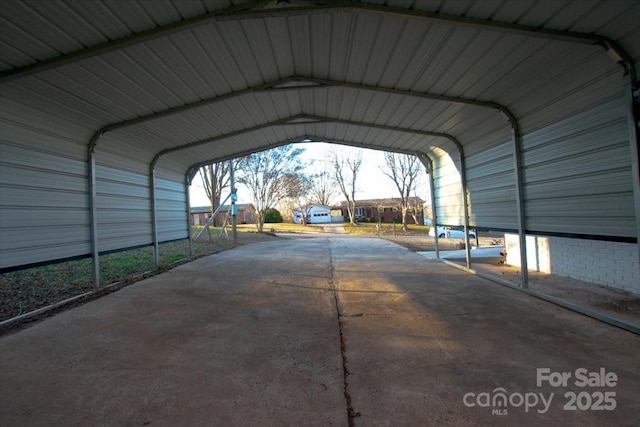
(418, 243)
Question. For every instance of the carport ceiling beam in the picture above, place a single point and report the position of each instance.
(321, 119)
(193, 169)
(181, 109)
(428, 164)
(123, 42)
(277, 85)
(255, 9)
(290, 121)
(324, 83)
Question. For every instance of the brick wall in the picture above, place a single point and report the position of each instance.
(610, 264)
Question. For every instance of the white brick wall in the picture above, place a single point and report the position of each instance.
(609, 264)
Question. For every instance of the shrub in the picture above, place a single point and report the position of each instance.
(273, 216)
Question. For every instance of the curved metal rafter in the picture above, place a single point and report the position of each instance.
(258, 9)
(181, 109)
(282, 85)
(254, 9)
(293, 121)
(263, 9)
(313, 119)
(193, 169)
(126, 41)
(427, 161)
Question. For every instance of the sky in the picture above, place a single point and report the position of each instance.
(371, 183)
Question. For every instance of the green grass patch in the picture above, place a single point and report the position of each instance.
(171, 258)
(27, 290)
(368, 228)
(280, 227)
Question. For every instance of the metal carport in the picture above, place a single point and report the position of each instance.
(525, 108)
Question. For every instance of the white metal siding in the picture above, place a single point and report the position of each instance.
(124, 209)
(447, 188)
(577, 174)
(43, 199)
(171, 208)
(491, 189)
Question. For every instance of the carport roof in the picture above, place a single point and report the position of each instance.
(185, 82)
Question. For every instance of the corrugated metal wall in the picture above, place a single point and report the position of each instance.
(44, 198)
(43, 195)
(577, 174)
(124, 209)
(171, 208)
(124, 197)
(491, 188)
(447, 188)
(576, 157)
(489, 163)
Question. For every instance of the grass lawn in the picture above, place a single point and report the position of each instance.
(30, 289)
(386, 229)
(281, 227)
(364, 228)
(27, 290)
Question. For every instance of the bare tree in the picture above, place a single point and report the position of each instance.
(215, 179)
(416, 205)
(403, 170)
(298, 188)
(264, 174)
(345, 169)
(322, 190)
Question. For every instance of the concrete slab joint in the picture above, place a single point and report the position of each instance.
(351, 413)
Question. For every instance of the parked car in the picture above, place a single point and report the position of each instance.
(454, 232)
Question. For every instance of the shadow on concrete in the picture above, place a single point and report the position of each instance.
(323, 331)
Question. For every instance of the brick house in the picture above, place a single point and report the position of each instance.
(387, 210)
(200, 214)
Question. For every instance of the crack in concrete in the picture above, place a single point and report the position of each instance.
(351, 413)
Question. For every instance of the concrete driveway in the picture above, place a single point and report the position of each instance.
(329, 331)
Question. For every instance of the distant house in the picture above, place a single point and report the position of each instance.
(200, 214)
(317, 214)
(387, 210)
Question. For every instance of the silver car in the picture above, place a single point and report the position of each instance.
(453, 232)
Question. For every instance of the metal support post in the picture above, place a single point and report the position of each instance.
(632, 99)
(465, 207)
(234, 199)
(187, 185)
(93, 217)
(428, 163)
(517, 159)
(154, 215)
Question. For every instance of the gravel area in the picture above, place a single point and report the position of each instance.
(422, 243)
